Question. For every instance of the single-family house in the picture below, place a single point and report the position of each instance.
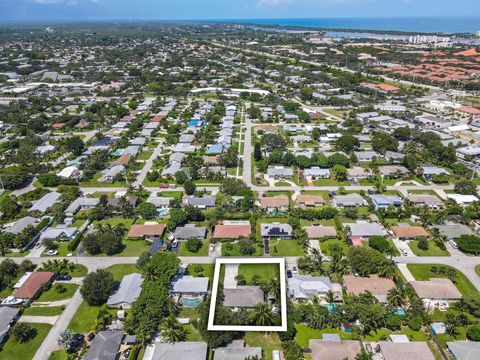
(45, 202)
(348, 201)
(429, 171)
(464, 350)
(60, 232)
(309, 201)
(410, 232)
(462, 199)
(304, 287)
(180, 350)
(8, 316)
(204, 202)
(453, 231)
(418, 350)
(431, 201)
(243, 297)
(128, 291)
(33, 284)
(105, 346)
(318, 231)
(279, 172)
(146, 231)
(277, 203)
(378, 286)
(381, 201)
(81, 203)
(276, 231)
(232, 230)
(331, 347)
(21, 224)
(436, 289)
(190, 231)
(189, 287)
(237, 353)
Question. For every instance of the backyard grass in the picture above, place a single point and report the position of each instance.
(120, 270)
(192, 333)
(433, 249)
(305, 333)
(15, 350)
(185, 252)
(264, 271)
(43, 311)
(424, 272)
(52, 295)
(286, 248)
(267, 341)
(384, 333)
(326, 244)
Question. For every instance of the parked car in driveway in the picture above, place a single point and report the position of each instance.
(51, 253)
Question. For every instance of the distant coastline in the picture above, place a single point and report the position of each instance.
(433, 25)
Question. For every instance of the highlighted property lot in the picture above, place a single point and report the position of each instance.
(229, 286)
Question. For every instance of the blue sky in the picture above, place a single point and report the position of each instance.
(229, 9)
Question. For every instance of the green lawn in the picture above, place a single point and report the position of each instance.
(423, 272)
(183, 251)
(433, 249)
(264, 271)
(323, 193)
(115, 222)
(58, 355)
(145, 155)
(267, 341)
(120, 270)
(330, 182)
(326, 244)
(384, 333)
(134, 247)
(192, 333)
(305, 333)
(52, 295)
(279, 192)
(12, 349)
(286, 248)
(236, 252)
(61, 247)
(43, 311)
(79, 271)
(477, 270)
(206, 270)
(84, 318)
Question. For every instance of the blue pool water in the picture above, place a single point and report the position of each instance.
(400, 312)
(162, 211)
(191, 302)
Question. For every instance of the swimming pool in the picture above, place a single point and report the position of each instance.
(161, 212)
(191, 302)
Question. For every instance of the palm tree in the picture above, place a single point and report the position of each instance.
(172, 331)
(395, 297)
(330, 297)
(387, 269)
(262, 315)
(150, 273)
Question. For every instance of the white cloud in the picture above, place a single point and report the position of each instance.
(266, 3)
(67, 2)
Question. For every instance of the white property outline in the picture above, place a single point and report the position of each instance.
(213, 298)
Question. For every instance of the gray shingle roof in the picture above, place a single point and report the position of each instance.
(7, 315)
(105, 346)
(177, 351)
(128, 291)
(45, 202)
(463, 350)
(236, 353)
(189, 284)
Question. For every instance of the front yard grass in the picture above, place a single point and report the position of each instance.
(185, 252)
(53, 295)
(235, 251)
(433, 249)
(120, 270)
(206, 270)
(286, 248)
(424, 272)
(15, 350)
(134, 247)
(43, 311)
(84, 318)
(79, 271)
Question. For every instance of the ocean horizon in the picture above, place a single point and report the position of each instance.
(448, 25)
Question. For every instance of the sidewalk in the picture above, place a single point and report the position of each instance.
(406, 273)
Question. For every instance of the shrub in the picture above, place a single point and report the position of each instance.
(415, 323)
(423, 244)
(194, 245)
(473, 332)
(469, 244)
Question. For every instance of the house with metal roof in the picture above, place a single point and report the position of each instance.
(22, 224)
(128, 291)
(60, 232)
(45, 202)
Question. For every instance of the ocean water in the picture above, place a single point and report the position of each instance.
(413, 24)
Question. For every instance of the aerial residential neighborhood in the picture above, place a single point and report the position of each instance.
(230, 190)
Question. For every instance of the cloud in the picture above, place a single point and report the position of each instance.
(268, 3)
(58, 2)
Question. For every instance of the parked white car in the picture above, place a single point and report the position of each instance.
(51, 253)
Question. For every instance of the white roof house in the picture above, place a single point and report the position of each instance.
(128, 291)
(45, 202)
